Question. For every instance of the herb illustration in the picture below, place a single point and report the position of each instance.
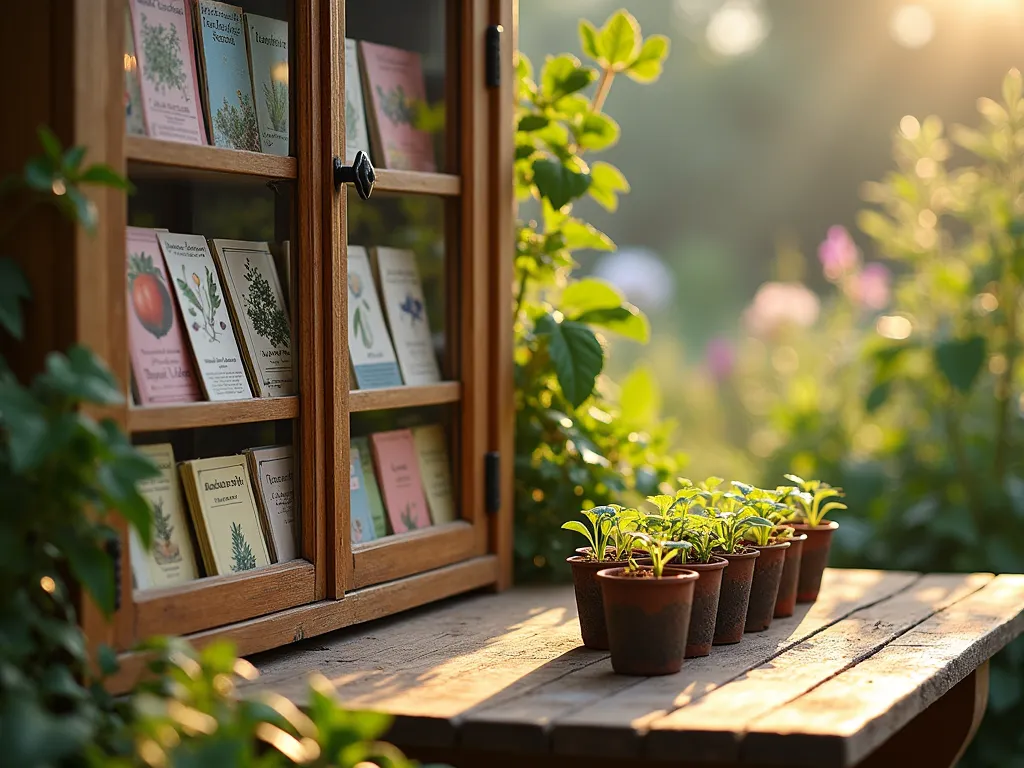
(275, 95)
(412, 307)
(407, 519)
(204, 300)
(357, 531)
(399, 108)
(360, 323)
(266, 315)
(236, 126)
(151, 301)
(165, 551)
(351, 113)
(242, 558)
(162, 48)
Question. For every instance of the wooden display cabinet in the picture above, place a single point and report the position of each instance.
(459, 221)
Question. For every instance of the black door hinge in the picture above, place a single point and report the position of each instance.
(492, 481)
(493, 55)
(114, 553)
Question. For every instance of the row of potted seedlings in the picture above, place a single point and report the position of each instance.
(702, 568)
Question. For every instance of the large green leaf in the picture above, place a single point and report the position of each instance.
(587, 294)
(578, 234)
(606, 183)
(647, 66)
(960, 361)
(576, 355)
(81, 376)
(559, 184)
(625, 320)
(563, 75)
(13, 289)
(640, 399)
(619, 40)
(25, 423)
(91, 566)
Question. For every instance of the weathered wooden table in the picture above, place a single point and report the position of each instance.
(887, 668)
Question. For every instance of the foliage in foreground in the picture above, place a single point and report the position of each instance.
(62, 474)
(575, 444)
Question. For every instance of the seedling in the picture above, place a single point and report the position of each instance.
(811, 502)
(661, 550)
(624, 520)
(702, 533)
(731, 527)
(599, 533)
(764, 512)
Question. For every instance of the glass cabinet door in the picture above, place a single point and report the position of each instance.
(219, 277)
(415, 274)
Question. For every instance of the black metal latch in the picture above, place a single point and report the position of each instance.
(493, 56)
(492, 482)
(360, 174)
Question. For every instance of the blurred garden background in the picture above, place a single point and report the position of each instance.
(826, 230)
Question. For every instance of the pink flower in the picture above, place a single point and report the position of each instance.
(720, 357)
(777, 305)
(838, 253)
(873, 288)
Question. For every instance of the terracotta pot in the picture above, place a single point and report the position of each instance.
(764, 587)
(705, 604)
(785, 603)
(732, 603)
(814, 559)
(647, 619)
(588, 600)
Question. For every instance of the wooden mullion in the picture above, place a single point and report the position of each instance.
(335, 207)
(502, 238)
(309, 309)
(474, 330)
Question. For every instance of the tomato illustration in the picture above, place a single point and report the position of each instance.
(150, 300)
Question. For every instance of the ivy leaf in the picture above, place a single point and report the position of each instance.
(563, 75)
(606, 182)
(91, 567)
(626, 321)
(81, 376)
(589, 40)
(587, 294)
(532, 123)
(597, 131)
(576, 354)
(13, 288)
(619, 40)
(105, 176)
(578, 234)
(25, 424)
(647, 66)
(877, 397)
(960, 361)
(558, 184)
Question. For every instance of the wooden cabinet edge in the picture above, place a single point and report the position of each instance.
(211, 414)
(278, 629)
(155, 158)
(393, 558)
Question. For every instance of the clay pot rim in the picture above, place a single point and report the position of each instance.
(747, 553)
(580, 560)
(828, 525)
(801, 537)
(716, 563)
(680, 575)
(777, 545)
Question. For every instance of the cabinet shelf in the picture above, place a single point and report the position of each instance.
(404, 397)
(192, 415)
(417, 183)
(152, 158)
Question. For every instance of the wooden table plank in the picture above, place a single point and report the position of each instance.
(594, 712)
(711, 728)
(843, 720)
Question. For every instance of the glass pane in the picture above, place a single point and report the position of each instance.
(402, 471)
(401, 106)
(410, 233)
(210, 319)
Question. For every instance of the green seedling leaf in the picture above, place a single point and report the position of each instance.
(960, 361)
